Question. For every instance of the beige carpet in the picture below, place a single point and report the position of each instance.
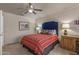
(17, 49)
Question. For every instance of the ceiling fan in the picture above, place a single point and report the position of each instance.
(30, 9)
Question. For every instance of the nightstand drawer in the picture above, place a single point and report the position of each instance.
(78, 43)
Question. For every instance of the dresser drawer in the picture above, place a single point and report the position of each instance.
(77, 46)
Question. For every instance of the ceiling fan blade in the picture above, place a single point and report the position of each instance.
(25, 12)
(38, 9)
(34, 12)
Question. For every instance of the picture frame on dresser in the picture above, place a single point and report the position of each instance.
(76, 22)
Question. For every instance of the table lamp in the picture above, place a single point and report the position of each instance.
(65, 26)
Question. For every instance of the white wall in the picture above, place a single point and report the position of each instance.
(11, 27)
(45, 19)
(68, 17)
(74, 29)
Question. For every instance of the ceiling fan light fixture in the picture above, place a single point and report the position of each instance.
(31, 6)
(30, 10)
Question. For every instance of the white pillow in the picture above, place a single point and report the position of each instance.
(52, 31)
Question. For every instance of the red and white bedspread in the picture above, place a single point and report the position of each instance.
(38, 42)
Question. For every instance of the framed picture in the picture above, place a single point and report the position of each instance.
(23, 25)
(76, 22)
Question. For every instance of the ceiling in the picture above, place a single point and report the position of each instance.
(48, 8)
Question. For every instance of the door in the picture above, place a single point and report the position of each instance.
(1, 31)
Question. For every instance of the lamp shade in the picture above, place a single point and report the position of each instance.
(65, 26)
(37, 28)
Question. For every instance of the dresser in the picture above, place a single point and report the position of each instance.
(77, 47)
(70, 43)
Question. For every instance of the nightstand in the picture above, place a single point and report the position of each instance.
(70, 43)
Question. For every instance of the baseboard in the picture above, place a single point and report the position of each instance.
(10, 44)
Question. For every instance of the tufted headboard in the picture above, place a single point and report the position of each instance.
(52, 25)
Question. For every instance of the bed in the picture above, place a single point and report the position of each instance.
(41, 44)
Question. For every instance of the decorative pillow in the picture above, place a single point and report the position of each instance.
(45, 32)
(52, 32)
(48, 32)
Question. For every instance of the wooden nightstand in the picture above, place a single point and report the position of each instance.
(69, 43)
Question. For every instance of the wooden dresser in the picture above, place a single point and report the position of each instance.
(70, 43)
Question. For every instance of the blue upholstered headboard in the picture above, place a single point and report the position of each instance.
(50, 26)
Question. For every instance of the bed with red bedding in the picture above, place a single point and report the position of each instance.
(38, 43)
